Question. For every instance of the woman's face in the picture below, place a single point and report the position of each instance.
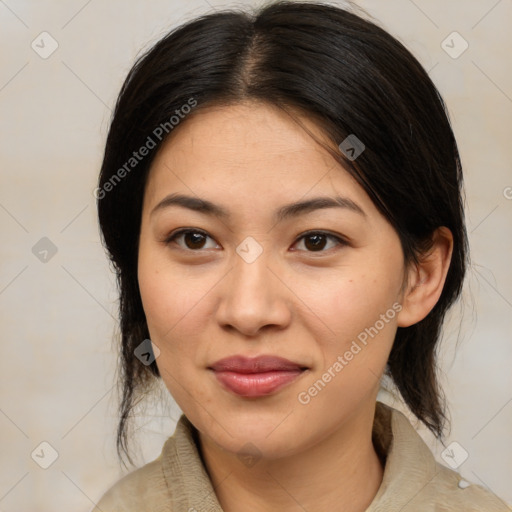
(318, 286)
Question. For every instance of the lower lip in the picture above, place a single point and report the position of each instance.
(256, 384)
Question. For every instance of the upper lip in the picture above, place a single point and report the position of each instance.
(260, 364)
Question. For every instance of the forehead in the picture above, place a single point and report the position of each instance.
(248, 152)
(247, 133)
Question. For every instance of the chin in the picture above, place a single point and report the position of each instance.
(258, 446)
(235, 428)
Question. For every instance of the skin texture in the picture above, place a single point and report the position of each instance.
(306, 303)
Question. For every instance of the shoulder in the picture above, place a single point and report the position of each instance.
(414, 481)
(144, 489)
(164, 484)
(449, 491)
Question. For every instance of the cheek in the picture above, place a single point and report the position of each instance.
(345, 305)
(355, 319)
(167, 312)
(177, 309)
(169, 296)
(360, 317)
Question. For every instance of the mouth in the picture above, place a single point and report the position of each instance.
(256, 377)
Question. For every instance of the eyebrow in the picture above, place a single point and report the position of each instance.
(285, 212)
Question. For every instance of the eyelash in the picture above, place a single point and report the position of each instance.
(173, 236)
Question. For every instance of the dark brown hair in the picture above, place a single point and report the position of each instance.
(349, 75)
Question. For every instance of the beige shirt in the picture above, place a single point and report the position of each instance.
(413, 480)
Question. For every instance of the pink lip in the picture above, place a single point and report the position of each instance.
(255, 377)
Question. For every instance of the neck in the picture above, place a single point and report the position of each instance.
(343, 472)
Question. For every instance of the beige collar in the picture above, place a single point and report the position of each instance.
(410, 465)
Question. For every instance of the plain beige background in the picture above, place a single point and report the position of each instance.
(58, 316)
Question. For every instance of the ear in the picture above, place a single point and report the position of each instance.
(425, 281)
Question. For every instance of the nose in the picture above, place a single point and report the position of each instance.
(253, 298)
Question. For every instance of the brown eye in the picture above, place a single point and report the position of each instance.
(192, 239)
(316, 241)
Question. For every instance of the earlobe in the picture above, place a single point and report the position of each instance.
(426, 279)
